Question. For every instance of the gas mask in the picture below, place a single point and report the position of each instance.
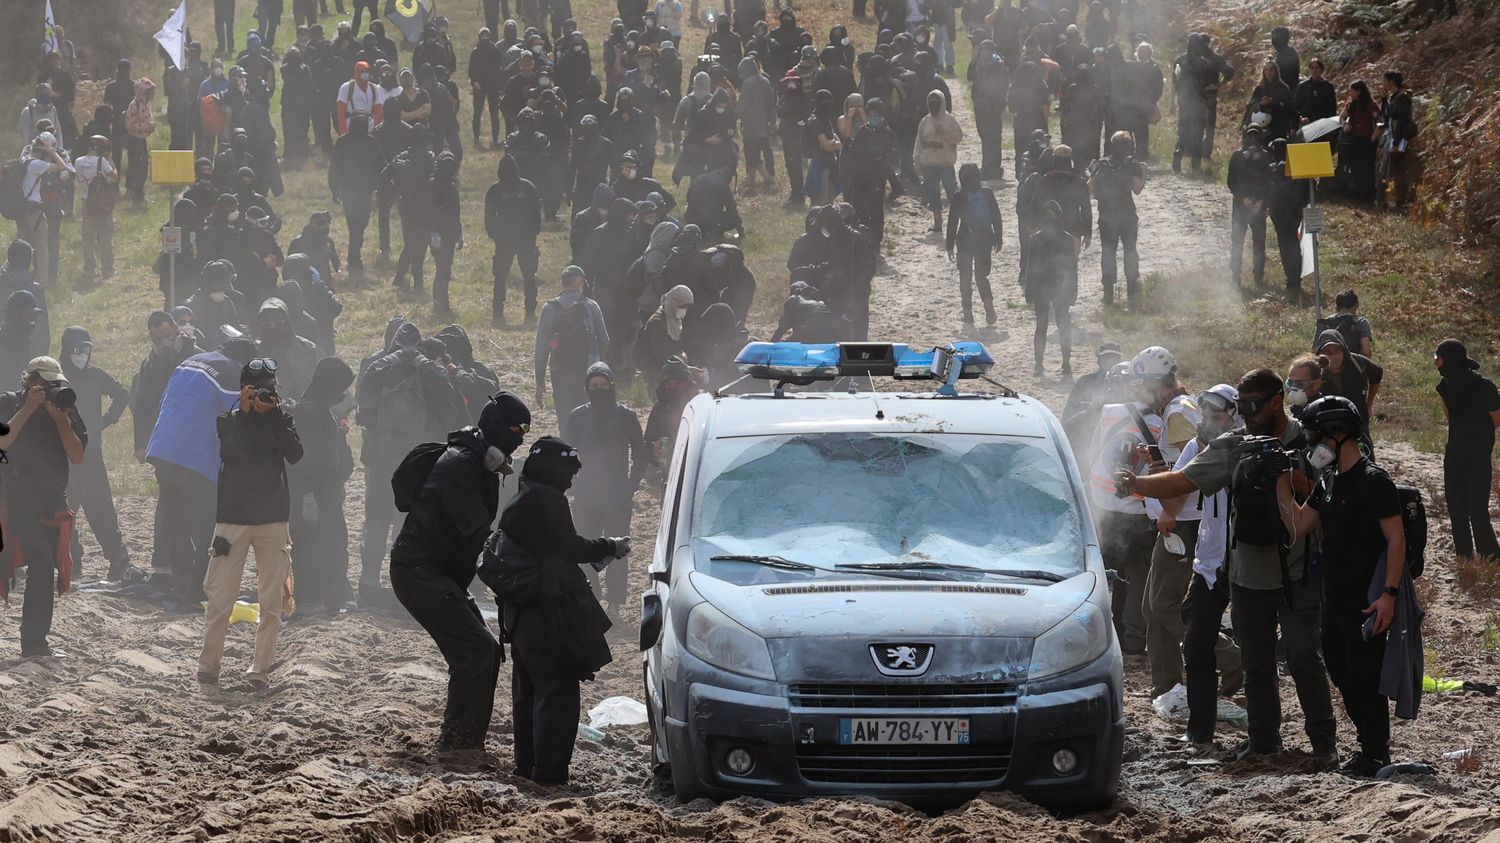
(217, 297)
(627, 172)
(1296, 396)
(497, 461)
(1323, 454)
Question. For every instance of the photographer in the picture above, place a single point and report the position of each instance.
(40, 450)
(1269, 582)
(1364, 575)
(256, 441)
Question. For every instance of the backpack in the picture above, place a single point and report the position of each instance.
(570, 332)
(102, 193)
(12, 200)
(1341, 322)
(401, 408)
(211, 114)
(411, 475)
(1414, 522)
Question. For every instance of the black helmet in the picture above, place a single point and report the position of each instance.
(1332, 416)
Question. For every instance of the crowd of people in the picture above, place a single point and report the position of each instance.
(242, 406)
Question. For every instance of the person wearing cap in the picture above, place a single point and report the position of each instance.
(1472, 407)
(570, 336)
(1348, 373)
(1206, 654)
(556, 635)
(89, 489)
(257, 439)
(99, 182)
(433, 561)
(34, 225)
(1249, 186)
(170, 345)
(46, 435)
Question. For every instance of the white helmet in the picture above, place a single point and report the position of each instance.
(1153, 362)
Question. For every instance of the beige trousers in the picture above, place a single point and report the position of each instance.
(273, 562)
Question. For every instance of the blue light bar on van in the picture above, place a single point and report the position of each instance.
(794, 361)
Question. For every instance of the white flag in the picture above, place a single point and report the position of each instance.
(1306, 242)
(49, 32)
(173, 36)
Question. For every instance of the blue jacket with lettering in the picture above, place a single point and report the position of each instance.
(200, 389)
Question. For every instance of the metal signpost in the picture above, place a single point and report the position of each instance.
(1311, 161)
(172, 168)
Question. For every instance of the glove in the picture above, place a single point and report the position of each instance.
(622, 547)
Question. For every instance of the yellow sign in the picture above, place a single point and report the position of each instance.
(172, 166)
(1309, 160)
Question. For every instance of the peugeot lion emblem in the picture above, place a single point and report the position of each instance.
(901, 659)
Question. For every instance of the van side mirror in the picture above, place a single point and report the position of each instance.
(663, 577)
(651, 619)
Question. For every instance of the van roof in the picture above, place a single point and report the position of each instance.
(877, 412)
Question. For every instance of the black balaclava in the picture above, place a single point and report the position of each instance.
(503, 412)
(553, 462)
(601, 397)
(330, 382)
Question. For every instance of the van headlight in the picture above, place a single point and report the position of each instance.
(1077, 639)
(717, 639)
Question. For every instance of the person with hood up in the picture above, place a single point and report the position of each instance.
(1115, 181)
(170, 345)
(989, 81)
(410, 175)
(794, 113)
(644, 280)
(447, 228)
(486, 71)
(711, 205)
(404, 398)
(1349, 374)
(319, 531)
(661, 336)
(353, 177)
(935, 152)
(513, 221)
(316, 243)
(571, 335)
(217, 305)
(16, 275)
(675, 385)
(433, 561)
(786, 43)
(834, 76)
(18, 331)
(40, 107)
(756, 108)
(713, 340)
(823, 145)
(556, 631)
(296, 356)
(316, 307)
(722, 277)
(607, 257)
(868, 162)
(691, 103)
(360, 95)
(1249, 186)
(88, 486)
(976, 230)
(635, 185)
(184, 452)
(608, 436)
(589, 218)
(632, 130)
(1051, 284)
(588, 166)
(805, 318)
(474, 381)
(1472, 407)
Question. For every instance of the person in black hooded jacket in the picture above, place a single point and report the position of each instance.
(320, 535)
(433, 562)
(353, 177)
(557, 636)
(88, 485)
(608, 434)
(513, 219)
(474, 381)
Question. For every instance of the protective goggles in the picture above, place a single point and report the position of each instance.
(262, 365)
(1250, 406)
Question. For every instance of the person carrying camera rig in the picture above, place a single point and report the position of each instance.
(42, 436)
(256, 441)
(1270, 581)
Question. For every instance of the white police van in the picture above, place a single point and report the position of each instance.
(882, 593)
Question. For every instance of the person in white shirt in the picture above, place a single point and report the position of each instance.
(97, 179)
(34, 226)
(1206, 652)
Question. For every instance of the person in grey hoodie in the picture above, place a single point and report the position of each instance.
(757, 112)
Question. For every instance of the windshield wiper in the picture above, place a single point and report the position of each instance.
(1046, 576)
(785, 564)
(769, 561)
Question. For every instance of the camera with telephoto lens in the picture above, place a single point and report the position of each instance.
(60, 395)
(1263, 457)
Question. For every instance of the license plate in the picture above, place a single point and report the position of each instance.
(903, 730)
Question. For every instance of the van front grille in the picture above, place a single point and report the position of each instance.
(900, 696)
(903, 764)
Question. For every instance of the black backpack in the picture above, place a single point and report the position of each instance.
(12, 199)
(411, 475)
(570, 332)
(1414, 522)
(1341, 322)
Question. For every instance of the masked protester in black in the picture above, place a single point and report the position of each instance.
(170, 345)
(315, 242)
(610, 434)
(410, 175)
(447, 228)
(88, 488)
(353, 176)
(556, 634)
(433, 562)
(320, 535)
(513, 220)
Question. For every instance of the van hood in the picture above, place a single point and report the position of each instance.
(887, 608)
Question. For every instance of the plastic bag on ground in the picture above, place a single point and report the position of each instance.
(617, 711)
(242, 612)
(1173, 705)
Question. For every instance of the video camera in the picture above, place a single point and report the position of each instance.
(1265, 457)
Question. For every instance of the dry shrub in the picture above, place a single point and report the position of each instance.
(1479, 577)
